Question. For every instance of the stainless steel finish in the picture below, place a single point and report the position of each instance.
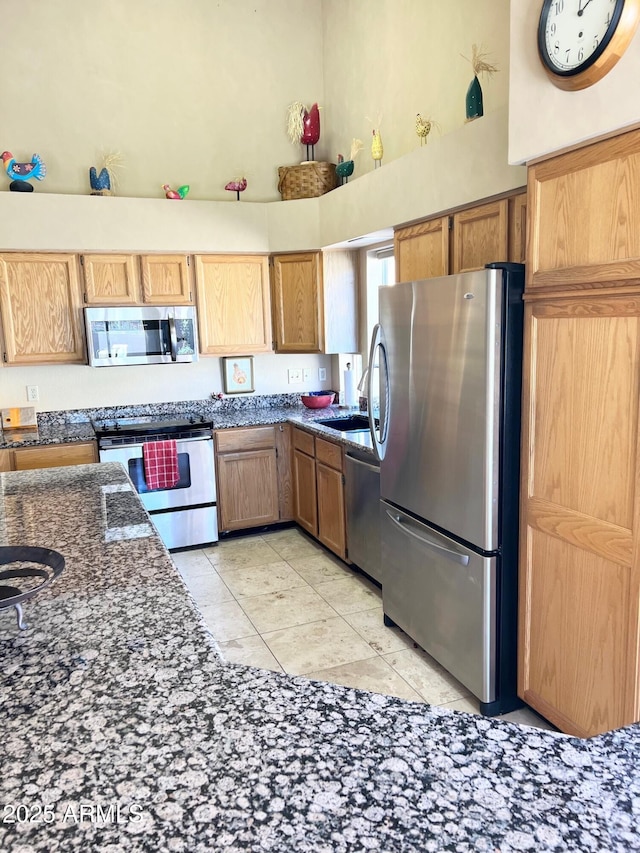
(441, 350)
(201, 462)
(378, 359)
(184, 516)
(362, 489)
(447, 607)
(198, 525)
(103, 352)
(173, 338)
(427, 541)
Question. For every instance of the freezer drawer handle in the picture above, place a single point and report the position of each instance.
(463, 559)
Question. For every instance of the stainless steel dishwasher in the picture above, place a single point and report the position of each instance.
(363, 511)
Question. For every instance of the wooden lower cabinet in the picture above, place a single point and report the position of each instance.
(579, 568)
(304, 487)
(54, 455)
(6, 460)
(251, 463)
(319, 490)
(331, 515)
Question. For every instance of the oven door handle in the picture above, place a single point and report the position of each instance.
(173, 338)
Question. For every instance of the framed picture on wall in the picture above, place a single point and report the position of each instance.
(237, 374)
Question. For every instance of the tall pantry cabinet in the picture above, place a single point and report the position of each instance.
(580, 560)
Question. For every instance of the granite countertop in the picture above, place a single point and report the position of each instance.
(123, 730)
(60, 432)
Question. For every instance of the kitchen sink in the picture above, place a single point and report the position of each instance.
(353, 423)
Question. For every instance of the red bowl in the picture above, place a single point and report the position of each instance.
(317, 401)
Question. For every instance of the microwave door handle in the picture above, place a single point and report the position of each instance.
(173, 338)
(463, 559)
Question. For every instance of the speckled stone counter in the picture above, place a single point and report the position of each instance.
(124, 731)
(71, 426)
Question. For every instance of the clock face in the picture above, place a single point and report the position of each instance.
(573, 34)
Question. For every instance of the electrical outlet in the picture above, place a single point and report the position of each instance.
(295, 375)
(33, 395)
(306, 374)
(322, 373)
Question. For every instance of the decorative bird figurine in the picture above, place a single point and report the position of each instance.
(181, 192)
(303, 125)
(105, 181)
(377, 149)
(344, 169)
(237, 187)
(20, 173)
(423, 128)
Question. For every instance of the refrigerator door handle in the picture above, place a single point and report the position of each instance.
(463, 559)
(379, 436)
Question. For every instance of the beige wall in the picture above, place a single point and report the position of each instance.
(188, 91)
(543, 118)
(402, 57)
(196, 92)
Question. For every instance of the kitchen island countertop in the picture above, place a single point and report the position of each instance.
(125, 731)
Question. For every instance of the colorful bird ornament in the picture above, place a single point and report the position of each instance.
(344, 169)
(303, 126)
(181, 192)
(20, 173)
(237, 187)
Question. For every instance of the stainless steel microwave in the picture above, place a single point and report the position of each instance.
(157, 334)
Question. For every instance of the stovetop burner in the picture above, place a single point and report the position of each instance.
(149, 424)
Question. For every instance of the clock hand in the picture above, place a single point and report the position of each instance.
(582, 8)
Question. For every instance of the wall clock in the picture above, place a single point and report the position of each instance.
(580, 41)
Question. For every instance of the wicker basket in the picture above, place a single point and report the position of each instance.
(308, 180)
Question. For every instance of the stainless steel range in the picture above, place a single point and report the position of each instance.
(184, 514)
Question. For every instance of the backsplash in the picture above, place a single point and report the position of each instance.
(210, 407)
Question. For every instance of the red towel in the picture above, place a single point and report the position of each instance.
(160, 464)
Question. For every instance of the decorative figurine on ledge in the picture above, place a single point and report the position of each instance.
(104, 182)
(474, 107)
(181, 192)
(237, 187)
(344, 169)
(304, 126)
(377, 149)
(20, 173)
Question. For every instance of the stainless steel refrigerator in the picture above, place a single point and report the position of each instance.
(449, 353)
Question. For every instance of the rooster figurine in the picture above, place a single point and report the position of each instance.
(237, 187)
(20, 173)
(104, 182)
(303, 126)
(181, 192)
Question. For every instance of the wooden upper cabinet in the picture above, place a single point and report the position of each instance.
(298, 315)
(340, 296)
(166, 280)
(136, 279)
(41, 301)
(585, 231)
(518, 228)
(422, 250)
(480, 236)
(111, 279)
(234, 313)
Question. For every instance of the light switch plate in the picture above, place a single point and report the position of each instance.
(322, 373)
(294, 374)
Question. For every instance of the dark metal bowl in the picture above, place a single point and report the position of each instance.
(14, 595)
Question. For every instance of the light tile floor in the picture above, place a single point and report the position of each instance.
(281, 601)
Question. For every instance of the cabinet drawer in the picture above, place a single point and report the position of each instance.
(232, 440)
(303, 441)
(329, 453)
(53, 456)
